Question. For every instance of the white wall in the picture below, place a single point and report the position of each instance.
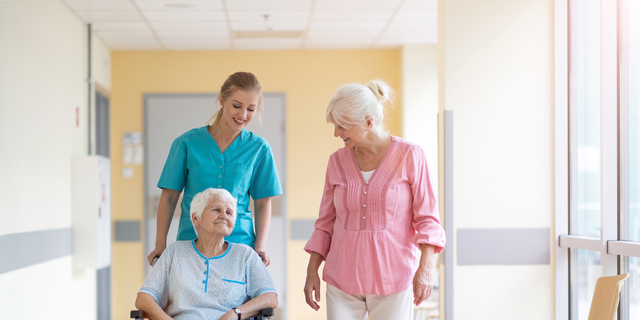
(420, 100)
(42, 82)
(496, 63)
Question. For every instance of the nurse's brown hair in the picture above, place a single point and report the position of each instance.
(245, 81)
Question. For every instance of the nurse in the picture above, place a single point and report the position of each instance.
(222, 155)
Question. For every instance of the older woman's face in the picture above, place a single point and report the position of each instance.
(352, 136)
(217, 217)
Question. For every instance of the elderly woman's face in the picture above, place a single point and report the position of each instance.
(217, 217)
(352, 136)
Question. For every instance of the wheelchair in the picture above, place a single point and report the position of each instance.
(265, 314)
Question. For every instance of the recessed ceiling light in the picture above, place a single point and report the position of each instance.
(179, 5)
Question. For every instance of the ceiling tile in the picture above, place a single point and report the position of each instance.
(186, 16)
(409, 24)
(342, 40)
(224, 44)
(191, 5)
(420, 5)
(347, 33)
(266, 44)
(262, 26)
(109, 16)
(100, 5)
(273, 16)
(126, 39)
(125, 34)
(336, 46)
(188, 34)
(268, 5)
(133, 45)
(411, 31)
(335, 24)
(351, 15)
(344, 25)
(166, 26)
(396, 42)
(416, 15)
(99, 26)
(176, 40)
(365, 5)
(342, 37)
(408, 37)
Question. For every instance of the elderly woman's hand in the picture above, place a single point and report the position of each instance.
(229, 315)
(312, 290)
(312, 284)
(423, 280)
(422, 284)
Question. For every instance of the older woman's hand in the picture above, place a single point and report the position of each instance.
(423, 279)
(230, 315)
(312, 284)
(422, 284)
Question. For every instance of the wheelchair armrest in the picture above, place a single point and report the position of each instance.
(266, 312)
(137, 314)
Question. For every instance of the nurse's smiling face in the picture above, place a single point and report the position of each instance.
(240, 108)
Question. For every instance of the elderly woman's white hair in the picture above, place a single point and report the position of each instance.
(353, 102)
(202, 199)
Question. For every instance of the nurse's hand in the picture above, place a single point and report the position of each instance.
(157, 252)
(265, 258)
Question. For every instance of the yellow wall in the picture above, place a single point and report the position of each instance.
(308, 78)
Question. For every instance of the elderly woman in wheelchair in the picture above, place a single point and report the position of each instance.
(208, 278)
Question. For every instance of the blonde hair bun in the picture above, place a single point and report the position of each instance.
(381, 90)
(353, 103)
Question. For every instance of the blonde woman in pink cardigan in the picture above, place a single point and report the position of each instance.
(379, 226)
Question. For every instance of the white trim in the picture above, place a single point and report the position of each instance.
(609, 134)
(623, 120)
(448, 216)
(624, 248)
(630, 248)
(561, 118)
(584, 243)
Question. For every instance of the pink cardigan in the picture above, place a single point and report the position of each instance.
(369, 233)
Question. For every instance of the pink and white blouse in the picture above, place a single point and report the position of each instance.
(369, 233)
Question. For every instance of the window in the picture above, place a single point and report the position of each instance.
(597, 149)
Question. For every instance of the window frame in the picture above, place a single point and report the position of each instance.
(613, 155)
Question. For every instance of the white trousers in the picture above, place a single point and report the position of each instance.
(343, 306)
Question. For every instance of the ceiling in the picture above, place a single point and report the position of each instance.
(259, 24)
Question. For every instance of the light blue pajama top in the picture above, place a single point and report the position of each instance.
(187, 285)
(245, 169)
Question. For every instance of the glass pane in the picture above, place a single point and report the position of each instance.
(583, 281)
(630, 104)
(631, 288)
(585, 118)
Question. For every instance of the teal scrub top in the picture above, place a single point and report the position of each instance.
(245, 169)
